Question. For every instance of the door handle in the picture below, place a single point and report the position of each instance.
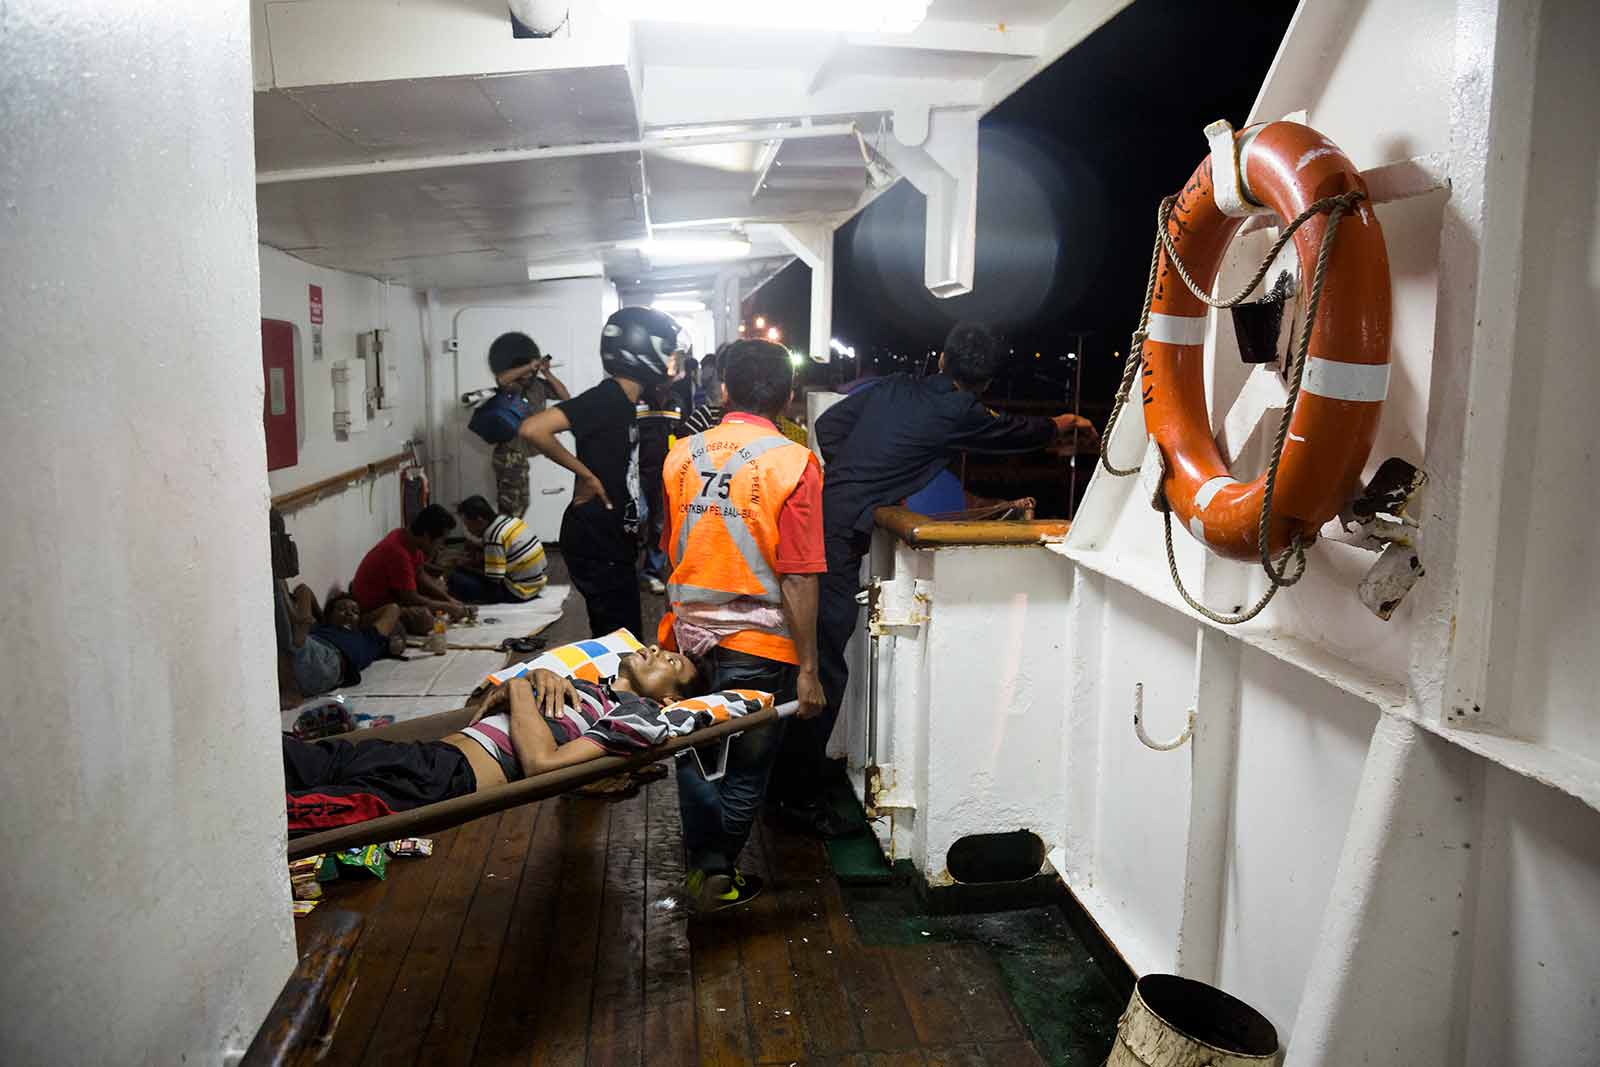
(550, 492)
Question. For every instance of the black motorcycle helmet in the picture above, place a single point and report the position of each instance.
(638, 343)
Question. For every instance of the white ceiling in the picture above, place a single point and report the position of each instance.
(457, 226)
(353, 123)
(327, 98)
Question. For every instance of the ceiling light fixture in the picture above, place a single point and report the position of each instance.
(678, 306)
(692, 249)
(550, 272)
(839, 16)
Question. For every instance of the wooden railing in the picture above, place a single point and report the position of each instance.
(301, 1024)
(919, 531)
(295, 499)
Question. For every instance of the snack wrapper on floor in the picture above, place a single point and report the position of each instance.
(303, 884)
(305, 907)
(372, 859)
(411, 846)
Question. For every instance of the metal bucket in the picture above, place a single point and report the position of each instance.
(1178, 1022)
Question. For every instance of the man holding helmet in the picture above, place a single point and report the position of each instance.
(599, 532)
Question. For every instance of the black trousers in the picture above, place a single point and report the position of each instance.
(610, 589)
(601, 558)
(474, 587)
(797, 778)
(335, 783)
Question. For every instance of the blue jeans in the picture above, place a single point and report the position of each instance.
(655, 561)
(717, 816)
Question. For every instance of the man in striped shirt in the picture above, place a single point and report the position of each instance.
(513, 559)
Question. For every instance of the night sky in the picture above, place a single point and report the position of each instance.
(1071, 170)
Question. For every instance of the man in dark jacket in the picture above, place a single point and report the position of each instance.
(881, 445)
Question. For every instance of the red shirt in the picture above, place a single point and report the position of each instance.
(388, 568)
(800, 545)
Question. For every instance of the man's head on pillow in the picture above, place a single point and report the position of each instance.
(658, 675)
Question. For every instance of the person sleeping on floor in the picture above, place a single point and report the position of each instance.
(536, 722)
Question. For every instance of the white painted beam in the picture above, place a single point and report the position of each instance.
(514, 155)
(694, 96)
(1384, 975)
(1469, 410)
(937, 151)
(813, 244)
(769, 156)
(1213, 758)
(726, 306)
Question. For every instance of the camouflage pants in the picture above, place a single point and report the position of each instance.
(511, 479)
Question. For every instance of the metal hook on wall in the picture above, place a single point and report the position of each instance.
(1145, 739)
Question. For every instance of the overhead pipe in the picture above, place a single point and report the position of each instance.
(799, 132)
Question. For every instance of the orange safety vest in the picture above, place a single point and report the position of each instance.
(724, 491)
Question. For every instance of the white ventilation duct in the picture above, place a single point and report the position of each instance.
(537, 18)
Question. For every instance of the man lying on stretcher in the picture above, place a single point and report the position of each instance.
(534, 723)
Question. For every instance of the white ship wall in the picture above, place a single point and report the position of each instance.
(1383, 834)
(144, 913)
(335, 532)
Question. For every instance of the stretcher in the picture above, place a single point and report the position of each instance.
(432, 818)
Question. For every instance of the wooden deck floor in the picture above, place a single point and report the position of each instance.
(532, 937)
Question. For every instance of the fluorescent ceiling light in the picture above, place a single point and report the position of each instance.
(678, 306)
(692, 249)
(842, 16)
(550, 272)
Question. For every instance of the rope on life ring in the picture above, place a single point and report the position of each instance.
(1324, 443)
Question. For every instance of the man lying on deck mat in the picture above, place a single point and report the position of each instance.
(534, 723)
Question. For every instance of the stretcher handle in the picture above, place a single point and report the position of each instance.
(782, 711)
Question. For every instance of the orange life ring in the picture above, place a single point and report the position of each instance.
(1286, 167)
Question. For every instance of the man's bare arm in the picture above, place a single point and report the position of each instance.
(414, 598)
(799, 592)
(554, 383)
(540, 430)
(531, 740)
(435, 589)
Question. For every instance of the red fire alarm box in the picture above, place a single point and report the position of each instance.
(277, 367)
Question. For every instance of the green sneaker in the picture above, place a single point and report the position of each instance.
(718, 892)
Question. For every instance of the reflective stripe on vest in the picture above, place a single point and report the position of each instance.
(738, 532)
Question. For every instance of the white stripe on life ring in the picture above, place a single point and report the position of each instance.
(1177, 329)
(1198, 529)
(1346, 381)
(1207, 492)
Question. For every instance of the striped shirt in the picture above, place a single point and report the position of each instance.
(620, 723)
(512, 553)
(617, 722)
(700, 420)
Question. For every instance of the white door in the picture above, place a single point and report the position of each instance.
(569, 335)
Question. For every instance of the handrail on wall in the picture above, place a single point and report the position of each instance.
(919, 531)
(295, 499)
